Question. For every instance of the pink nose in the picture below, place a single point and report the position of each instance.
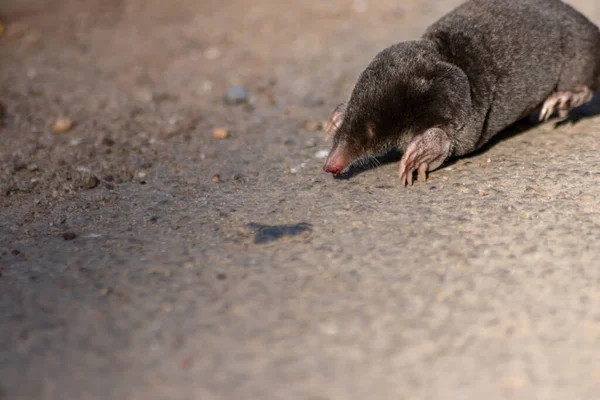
(333, 168)
(337, 160)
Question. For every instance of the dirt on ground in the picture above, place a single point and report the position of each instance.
(167, 232)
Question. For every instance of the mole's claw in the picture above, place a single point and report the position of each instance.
(423, 172)
(543, 114)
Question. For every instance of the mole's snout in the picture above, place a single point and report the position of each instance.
(337, 161)
(335, 169)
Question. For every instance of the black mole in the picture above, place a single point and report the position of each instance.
(480, 68)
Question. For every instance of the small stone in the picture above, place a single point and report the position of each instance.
(321, 154)
(239, 177)
(216, 179)
(220, 133)
(171, 130)
(212, 53)
(312, 126)
(221, 276)
(312, 142)
(236, 95)
(141, 175)
(91, 182)
(108, 142)
(69, 235)
(62, 125)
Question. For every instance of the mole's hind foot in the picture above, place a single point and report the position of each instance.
(563, 102)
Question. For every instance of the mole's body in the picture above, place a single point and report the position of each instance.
(479, 69)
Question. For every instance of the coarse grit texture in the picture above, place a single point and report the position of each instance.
(167, 232)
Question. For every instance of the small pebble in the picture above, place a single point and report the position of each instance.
(216, 179)
(69, 236)
(220, 133)
(239, 177)
(236, 95)
(62, 125)
(141, 175)
(312, 126)
(312, 142)
(321, 154)
(91, 182)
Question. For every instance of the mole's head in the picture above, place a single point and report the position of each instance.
(405, 90)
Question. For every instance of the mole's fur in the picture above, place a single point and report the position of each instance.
(480, 68)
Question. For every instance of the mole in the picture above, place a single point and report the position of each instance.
(480, 68)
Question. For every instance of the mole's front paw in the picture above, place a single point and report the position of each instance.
(424, 153)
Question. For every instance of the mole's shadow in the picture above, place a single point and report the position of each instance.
(587, 110)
